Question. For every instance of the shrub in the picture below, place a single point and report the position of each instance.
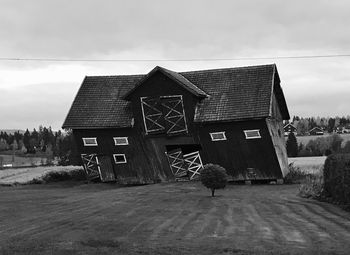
(295, 175)
(312, 187)
(336, 176)
(292, 145)
(213, 177)
(56, 176)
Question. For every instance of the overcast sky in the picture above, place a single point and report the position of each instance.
(34, 93)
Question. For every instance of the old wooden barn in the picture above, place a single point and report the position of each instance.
(165, 125)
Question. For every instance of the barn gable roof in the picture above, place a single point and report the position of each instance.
(177, 77)
(228, 94)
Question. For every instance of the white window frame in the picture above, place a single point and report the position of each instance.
(126, 141)
(90, 144)
(252, 137)
(119, 162)
(217, 133)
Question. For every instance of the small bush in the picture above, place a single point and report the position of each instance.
(313, 186)
(56, 176)
(336, 176)
(213, 177)
(295, 175)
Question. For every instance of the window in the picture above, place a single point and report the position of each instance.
(164, 114)
(90, 141)
(252, 134)
(121, 141)
(119, 158)
(218, 136)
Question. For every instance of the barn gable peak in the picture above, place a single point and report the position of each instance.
(178, 78)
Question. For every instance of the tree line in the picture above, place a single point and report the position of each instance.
(321, 146)
(44, 142)
(328, 124)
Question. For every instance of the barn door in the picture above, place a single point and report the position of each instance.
(174, 114)
(152, 115)
(106, 168)
(91, 166)
(194, 164)
(177, 163)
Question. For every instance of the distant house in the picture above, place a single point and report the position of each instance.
(346, 130)
(343, 130)
(165, 125)
(316, 131)
(289, 128)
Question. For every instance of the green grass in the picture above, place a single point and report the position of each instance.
(20, 161)
(167, 218)
(305, 139)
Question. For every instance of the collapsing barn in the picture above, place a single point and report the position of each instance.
(165, 125)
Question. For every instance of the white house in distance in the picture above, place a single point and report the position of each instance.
(288, 128)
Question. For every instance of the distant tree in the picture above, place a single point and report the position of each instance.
(292, 145)
(3, 145)
(346, 148)
(300, 147)
(32, 146)
(35, 138)
(14, 145)
(331, 125)
(312, 123)
(337, 122)
(295, 118)
(302, 127)
(335, 142)
(26, 139)
(68, 152)
(342, 121)
(213, 177)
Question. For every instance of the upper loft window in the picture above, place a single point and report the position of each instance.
(218, 136)
(120, 141)
(252, 134)
(164, 114)
(90, 141)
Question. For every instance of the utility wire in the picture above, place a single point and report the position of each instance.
(171, 60)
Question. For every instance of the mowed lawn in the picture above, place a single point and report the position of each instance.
(169, 218)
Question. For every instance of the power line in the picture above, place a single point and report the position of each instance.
(171, 60)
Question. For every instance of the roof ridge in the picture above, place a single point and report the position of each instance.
(228, 68)
(111, 76)
(180, 73)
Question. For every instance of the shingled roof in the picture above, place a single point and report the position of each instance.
(231, 94)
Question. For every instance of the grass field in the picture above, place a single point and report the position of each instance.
(305, 139)
(20, 161)
(312, 165)
(172, 218)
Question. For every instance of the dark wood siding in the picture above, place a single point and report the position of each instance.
(160, 85)
(237, 154)
(146, 160)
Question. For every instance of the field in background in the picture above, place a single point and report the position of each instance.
(24, 175)
(312, 165)
(20, 161)
(305, 139)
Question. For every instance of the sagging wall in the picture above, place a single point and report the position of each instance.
(277, 135)
(275, 127)
(238, 154)
(146, 160)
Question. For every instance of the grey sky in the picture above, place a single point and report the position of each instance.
(33, 93)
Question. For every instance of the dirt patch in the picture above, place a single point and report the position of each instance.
(177, 218)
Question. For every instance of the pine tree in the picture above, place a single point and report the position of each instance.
(292, 145)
